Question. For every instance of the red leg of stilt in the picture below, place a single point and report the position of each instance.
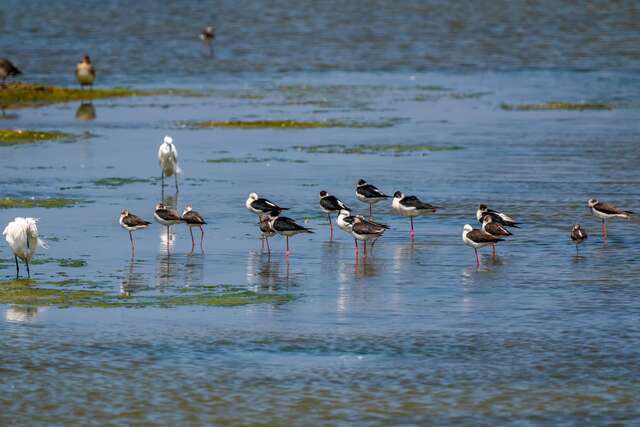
(287, 250)
(494, 250)
(477, 258)
(412, 232)
(330, 227)
(356, 240)
(365, 248)
(133, 245)
(604, 229)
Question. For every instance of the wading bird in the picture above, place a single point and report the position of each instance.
(194, 219)
(411, 206)
(7, 69)
(330, 204)
(286, 227)
(345, 222)
(365, 231)
(369, 194)
(495, 229)
(477, 239)
(168, 157)
(167, 217)
(578, 235)
(85, 73)
(499, 217)
(22, 236)
(208, 34)
(260, 206)
(605, 211)
(131, 223)
(266, 231)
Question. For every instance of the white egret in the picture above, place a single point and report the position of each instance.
(22, 236)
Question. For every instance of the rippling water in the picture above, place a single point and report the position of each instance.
(414, 335)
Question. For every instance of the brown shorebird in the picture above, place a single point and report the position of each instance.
(495, 229)
(131, 223)
(85, 73)
(477, 239)
(605, 211)
(7, 69)
(194, 219)
(578, 235)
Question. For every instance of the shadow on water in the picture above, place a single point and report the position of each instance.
(86, 112)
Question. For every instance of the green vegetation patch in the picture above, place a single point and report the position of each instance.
(19, 136)
(52, 203)
(244, 160)
(23, 95)
(395, 149)
(282, 124)
(62, 262)
(577, 106)
(118, 182)
(25, 292)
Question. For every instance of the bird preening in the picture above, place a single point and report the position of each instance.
(22, 237)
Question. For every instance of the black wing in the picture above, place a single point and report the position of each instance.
(193, 217)
(283, 223)
(265, 205)
(364, 228)
(414, 202)
(370, 191)
(168, 214)
(332, 203)
(132, 220)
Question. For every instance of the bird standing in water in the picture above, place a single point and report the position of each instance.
(266, 231)
(194, 219)
(578, 235)
(131, 223)
(411, 206)
(22, 236)
(286, 227)
(85, 73)
(168, 157)
(605, 211)
(477, 239)
(366, 230)
(7, 69)
(330, 204)
(495, 229)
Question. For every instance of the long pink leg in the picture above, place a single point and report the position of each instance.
(604, 229)
(477, 259)
(287, 251)
(412, 231)
(356, 240)
(494, 250)
(365, 248)
(133, 245)
(193, 242)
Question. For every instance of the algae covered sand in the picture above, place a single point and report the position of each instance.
(570, 106)
(19, 136)
(118, 181)
(27, 292)
(50, 203)
(283, 124)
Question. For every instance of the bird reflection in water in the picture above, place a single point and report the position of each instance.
(194, 271)
(21, 313)
(132, 281)
(86, 112)
(167, 235)
(5, 116)
(264, 273)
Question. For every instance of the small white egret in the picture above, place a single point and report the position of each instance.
(168, 156)
(22, 236)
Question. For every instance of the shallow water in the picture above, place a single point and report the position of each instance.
(413, 335)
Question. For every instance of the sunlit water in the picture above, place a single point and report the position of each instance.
(413, 335)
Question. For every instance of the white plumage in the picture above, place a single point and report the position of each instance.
(22, 236)
(168, 157)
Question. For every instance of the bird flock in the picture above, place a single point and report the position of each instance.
(22, 235)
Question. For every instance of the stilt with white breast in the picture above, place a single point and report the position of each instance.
(411, 206)
(194, 219)
(167, 217)
(495, 229)
(330, 204)
(259, 205)
(498, 217)
(477, 239)
(85, 73)
(366, 231)
(605, 211)
(168, 157)
(286, 227)
(22, 236)
(131, 223)
(369, 194)
(578, 235)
